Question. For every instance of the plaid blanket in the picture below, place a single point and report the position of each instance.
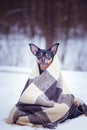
(45, 100)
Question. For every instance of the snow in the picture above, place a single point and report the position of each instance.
(12, 81)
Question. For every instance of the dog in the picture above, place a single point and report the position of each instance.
(45, 100)
(44, 59)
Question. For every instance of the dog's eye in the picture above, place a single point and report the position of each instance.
(39, 55)
(48, 55)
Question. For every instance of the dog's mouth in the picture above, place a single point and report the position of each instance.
(43, 63)
(43, 66)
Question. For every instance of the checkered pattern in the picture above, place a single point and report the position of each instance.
(44, 100)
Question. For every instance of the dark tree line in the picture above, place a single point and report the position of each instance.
(52, 19)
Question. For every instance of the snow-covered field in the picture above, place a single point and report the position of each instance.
(12, 81)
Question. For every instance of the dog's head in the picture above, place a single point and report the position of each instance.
(44, 57)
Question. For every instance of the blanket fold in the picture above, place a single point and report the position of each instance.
(45, 100)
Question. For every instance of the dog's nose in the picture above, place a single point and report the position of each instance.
(43, 59)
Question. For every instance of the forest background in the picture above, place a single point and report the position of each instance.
(43, 22)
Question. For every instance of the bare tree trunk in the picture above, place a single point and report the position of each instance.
(68, 13)
(49, 39)
(49, 23)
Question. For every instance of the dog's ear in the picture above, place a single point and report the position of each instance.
(34, 49)
(54, 48)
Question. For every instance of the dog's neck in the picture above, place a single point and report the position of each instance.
(40, 71)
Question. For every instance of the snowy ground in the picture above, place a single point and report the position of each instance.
(12, 81)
